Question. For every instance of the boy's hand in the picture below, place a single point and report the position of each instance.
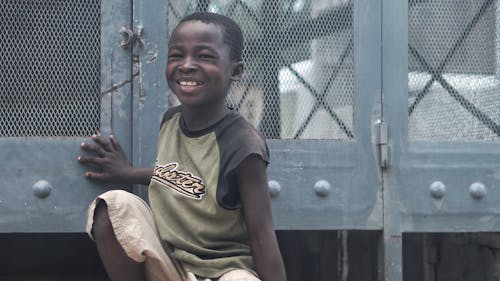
(109, 156)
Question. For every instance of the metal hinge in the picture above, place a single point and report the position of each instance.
(381, 138)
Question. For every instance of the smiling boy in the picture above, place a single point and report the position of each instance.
(210, 208)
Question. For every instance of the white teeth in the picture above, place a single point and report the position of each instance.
(188, 83)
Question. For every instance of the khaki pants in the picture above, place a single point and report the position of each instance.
(135, 230)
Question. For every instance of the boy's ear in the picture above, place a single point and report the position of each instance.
(237, 73)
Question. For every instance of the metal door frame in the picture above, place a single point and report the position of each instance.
(150, 90)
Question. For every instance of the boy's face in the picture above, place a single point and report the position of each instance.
(199, 68)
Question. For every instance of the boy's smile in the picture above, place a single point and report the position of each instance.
(199, 69)
(188, 86)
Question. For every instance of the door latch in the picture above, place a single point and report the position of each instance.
(129, 37)
(381, 139)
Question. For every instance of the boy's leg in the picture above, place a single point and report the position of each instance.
(116, 262)
(125, 219)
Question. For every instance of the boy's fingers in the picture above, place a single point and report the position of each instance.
(84, 145)
(88, 146)
(95, 176)
(94, 160)
(102, 142)
(83, 159)
(115, 143)
(93, 148)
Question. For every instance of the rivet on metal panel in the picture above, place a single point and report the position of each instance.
(477, 190)
(274, 188)
(42, 188)
(322, 188)
(437, 189)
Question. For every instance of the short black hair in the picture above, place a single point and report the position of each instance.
(231, 31)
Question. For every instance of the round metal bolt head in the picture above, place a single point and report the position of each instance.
(477, 190)
(437, 189)
(322, 188)
(42, 188)
(274, 188)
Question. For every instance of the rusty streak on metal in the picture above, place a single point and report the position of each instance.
(120, 84)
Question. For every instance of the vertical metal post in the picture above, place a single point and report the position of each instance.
(393, 252)
(271, 121)
(430, 257)
(395, 83)
(343, 255)
(150, 90)
(497, 69)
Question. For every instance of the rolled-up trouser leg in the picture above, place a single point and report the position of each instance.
(135, 230)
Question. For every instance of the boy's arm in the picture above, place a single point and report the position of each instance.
(112, 162)
(252, 182)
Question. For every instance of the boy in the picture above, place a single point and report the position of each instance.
(208, 191)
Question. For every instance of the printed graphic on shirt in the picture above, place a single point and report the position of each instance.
(184, 183)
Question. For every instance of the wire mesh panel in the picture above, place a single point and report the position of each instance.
(50, 58)
(298, 80)
(454, 87)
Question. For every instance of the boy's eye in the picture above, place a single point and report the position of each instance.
(174, 56)
(206, 56)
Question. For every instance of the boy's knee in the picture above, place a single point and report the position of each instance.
(102, 223)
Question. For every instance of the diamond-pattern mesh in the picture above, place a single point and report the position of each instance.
(298, 80)
(50, 58)
(454, 89)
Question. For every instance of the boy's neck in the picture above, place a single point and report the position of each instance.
(203, 117)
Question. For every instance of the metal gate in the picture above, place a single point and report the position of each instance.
(441, 102)
(64, 78)
(359, 95)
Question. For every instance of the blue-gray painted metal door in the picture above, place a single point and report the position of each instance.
(64, 78)
(441, 93)
(311, 85)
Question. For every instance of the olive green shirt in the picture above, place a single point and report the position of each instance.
(194, 195)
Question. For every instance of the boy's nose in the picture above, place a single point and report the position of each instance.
(187, 65)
